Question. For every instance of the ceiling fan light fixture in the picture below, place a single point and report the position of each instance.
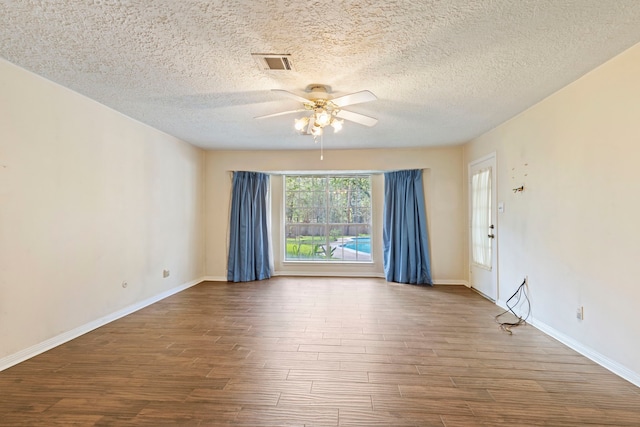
(316, 130)
(301, 123)
(323, 118)
(337, 125)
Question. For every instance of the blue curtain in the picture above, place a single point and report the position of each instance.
(405, 240)
(248, 236)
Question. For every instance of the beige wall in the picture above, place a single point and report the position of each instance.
(575, 229)
(91, 198)
(88, 199)
(443, 189)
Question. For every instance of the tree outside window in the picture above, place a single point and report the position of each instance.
(328, 218)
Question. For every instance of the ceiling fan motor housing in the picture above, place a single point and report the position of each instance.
(318, 91)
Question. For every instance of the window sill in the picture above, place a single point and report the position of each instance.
(328, 262)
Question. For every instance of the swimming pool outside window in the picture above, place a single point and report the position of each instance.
(328, 218)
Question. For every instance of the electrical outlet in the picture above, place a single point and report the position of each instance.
(580, 313)
(165, 273)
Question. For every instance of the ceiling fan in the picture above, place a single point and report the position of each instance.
(324, 110)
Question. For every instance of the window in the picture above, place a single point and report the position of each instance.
(481, 218)
(328, 218)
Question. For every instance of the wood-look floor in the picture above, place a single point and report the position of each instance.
(315, 352)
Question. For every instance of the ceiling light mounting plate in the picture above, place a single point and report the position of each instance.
(318, 91)
(317, 87)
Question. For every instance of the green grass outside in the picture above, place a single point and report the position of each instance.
(304, 246)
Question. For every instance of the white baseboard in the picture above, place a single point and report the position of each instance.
(451, 282)
(28, 353)
(588, 352)
(355, 274)
(359, 274)
(342, 274)
(327, 274)
(214, 279)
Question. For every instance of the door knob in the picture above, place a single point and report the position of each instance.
(491, 236)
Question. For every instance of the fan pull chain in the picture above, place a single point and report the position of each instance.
(315, 141)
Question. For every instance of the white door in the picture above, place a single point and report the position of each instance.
(482, 227)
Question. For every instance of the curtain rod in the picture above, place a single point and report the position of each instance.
(319, 172)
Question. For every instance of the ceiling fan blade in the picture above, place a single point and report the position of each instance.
(354, 98)
(292, 95)
(357, 118)
(282, 113)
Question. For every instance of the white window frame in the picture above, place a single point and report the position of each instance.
(320, 261)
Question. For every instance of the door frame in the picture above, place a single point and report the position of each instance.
(494, 201)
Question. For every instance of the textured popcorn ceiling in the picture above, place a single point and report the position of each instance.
(444, 71)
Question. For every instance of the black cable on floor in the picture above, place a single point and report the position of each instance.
(518, 294)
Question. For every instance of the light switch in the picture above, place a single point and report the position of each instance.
(501, 207)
